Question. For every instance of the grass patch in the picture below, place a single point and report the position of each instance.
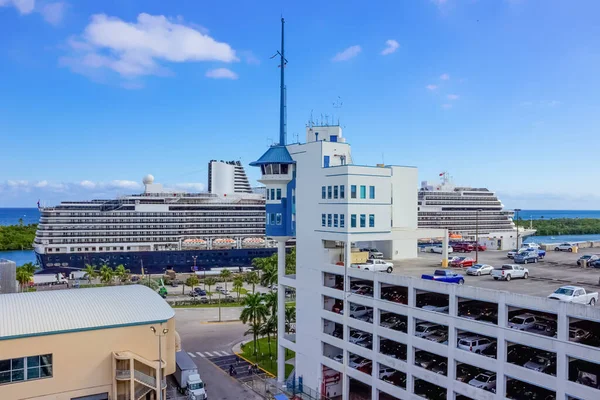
(290, 303)
(241, 290)
(263, 355)
(204, 305)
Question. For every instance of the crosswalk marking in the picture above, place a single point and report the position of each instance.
(191, 355)
(200, 354)
(208, 354)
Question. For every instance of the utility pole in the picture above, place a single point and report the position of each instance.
(477, 235)
(159, 335)
(517, 219)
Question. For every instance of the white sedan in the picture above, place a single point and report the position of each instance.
(564, 247)
(440, 249)
(480, 269)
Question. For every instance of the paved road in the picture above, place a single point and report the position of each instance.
(205, 340)
(209, 314)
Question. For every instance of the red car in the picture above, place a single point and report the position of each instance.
(482, 247)
(463, 262)
(338, 307)
(366, 368)
(462, 247)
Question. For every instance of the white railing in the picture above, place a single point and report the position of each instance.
(123, 374)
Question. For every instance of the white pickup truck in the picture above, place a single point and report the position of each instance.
(376, 265)
(574, 294)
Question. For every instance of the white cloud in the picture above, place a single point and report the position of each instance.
(431, 87)
(133, 49)
(446, 106)
(453, 97)
(391, 46)
(23, 6)
(41, 184)
(53, 13)
(444, 77)
(347, 54)
(17, 183)
(87, 184)
(221, 73)
(124, 184)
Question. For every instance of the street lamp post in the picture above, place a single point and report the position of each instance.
(517, 219)
(477, 235)
(159, 335)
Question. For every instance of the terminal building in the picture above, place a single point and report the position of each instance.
(86, 344)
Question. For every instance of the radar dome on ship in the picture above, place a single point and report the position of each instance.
(148, 180)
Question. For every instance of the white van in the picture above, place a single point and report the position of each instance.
(426, 329)
(474, 344)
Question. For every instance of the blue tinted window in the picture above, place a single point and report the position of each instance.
(371, 192)
(353, 221)
(335, 192)
(272, 194)
(342, 220)
(278, 194)
(371, 220)
(335, 220)
(323, 218)
(342, 192)
(363, 220)
(353, 191)
(363, 192)
(328, 192)
(278, 218)
(329, 220)
(323, 192)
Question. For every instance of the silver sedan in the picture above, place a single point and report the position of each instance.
(480, 269)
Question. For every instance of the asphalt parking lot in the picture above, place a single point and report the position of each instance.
(555, 270)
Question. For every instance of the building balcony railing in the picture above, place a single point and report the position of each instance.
(123, 374)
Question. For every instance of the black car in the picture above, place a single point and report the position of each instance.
(199, 291)
(491, 350)
(464, 373)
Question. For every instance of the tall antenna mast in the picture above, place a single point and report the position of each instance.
(282, 105)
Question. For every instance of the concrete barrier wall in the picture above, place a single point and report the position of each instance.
(581, 245)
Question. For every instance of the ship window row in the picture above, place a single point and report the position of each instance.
(457, 202)
(138, 233)
(333, 192)
(101, 231)
(178, 211)
(333, 220)
(145, 216)
(479, 198)
(62, 227)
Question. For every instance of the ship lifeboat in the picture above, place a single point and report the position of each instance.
(253, 242)
(194, 243)
(455, 236)
(223, 242)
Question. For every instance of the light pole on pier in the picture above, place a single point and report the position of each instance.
(517, 219)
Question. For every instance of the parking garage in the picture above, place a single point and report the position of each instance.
(531, 358)
(519, 390)
(393, 349)
(429, 390)
(431, 362)
(477, 310)
(431, 301)
(394, 293)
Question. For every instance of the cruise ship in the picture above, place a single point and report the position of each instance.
(159, 229)
(464, 211)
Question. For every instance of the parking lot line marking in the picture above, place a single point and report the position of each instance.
(191, 355)
(208, 353)
(200, 354)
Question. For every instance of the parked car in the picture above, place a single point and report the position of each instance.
(339, 358)
(574, 294)
(438, 337)
(365, 366)
(358, 336)
(376, 265)
(199, 291)
(522, 322)
(441, 275)
(462, 247)
(442, 309)
(450, 260)
(440, 249)
(539, 363)
(373, 253)
(464, 373)
(357, 310)
(526, 257)
(491, 351)
(519, 355)
(543, 328)
(463, 262)
(426, 329)
(480, 247)
(587, 259)
(509, 271)
(386, 372)
(354, 360)
(566, 246)
(394, 322)
(480, 269)
(595, 264)
(474, 344)
(338, 307)
(397, 378)
(440, 368)
(578, 334)
(485, 381)
(424, 360)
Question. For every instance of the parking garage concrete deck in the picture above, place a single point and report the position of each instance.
(555, 270)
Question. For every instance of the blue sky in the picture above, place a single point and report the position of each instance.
(501, 94)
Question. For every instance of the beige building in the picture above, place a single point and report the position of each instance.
(85, 344)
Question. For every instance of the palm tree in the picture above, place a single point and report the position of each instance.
(254, 312)
(24, 276)
(268, 328)
(252, 279)
(290, 262)
(90, 272)
(254, 329)
(192, 281)
(29, 267)
(210, 281)
(269, 276)
(225, 275)
(271, 302)
(290, 318)
(106, 274)
(238, 284)
(122, 273)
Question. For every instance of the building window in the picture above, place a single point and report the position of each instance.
(342, 192)
(25, 368)
(272, 194)
(278, 216)
(342, 220)
(329, 192)
(323, 218)
(271, 219)
(323, 192)
(363, 220)
(371, 220)
(268, 197)
(363, 192)
(353, 221)
(329, 220)
(278, 194)
(335, 192)
(335, 220)
(353, 191)
(371, 192)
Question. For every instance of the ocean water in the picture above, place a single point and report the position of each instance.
(19, 256)
(10, 216)
(561, 238)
